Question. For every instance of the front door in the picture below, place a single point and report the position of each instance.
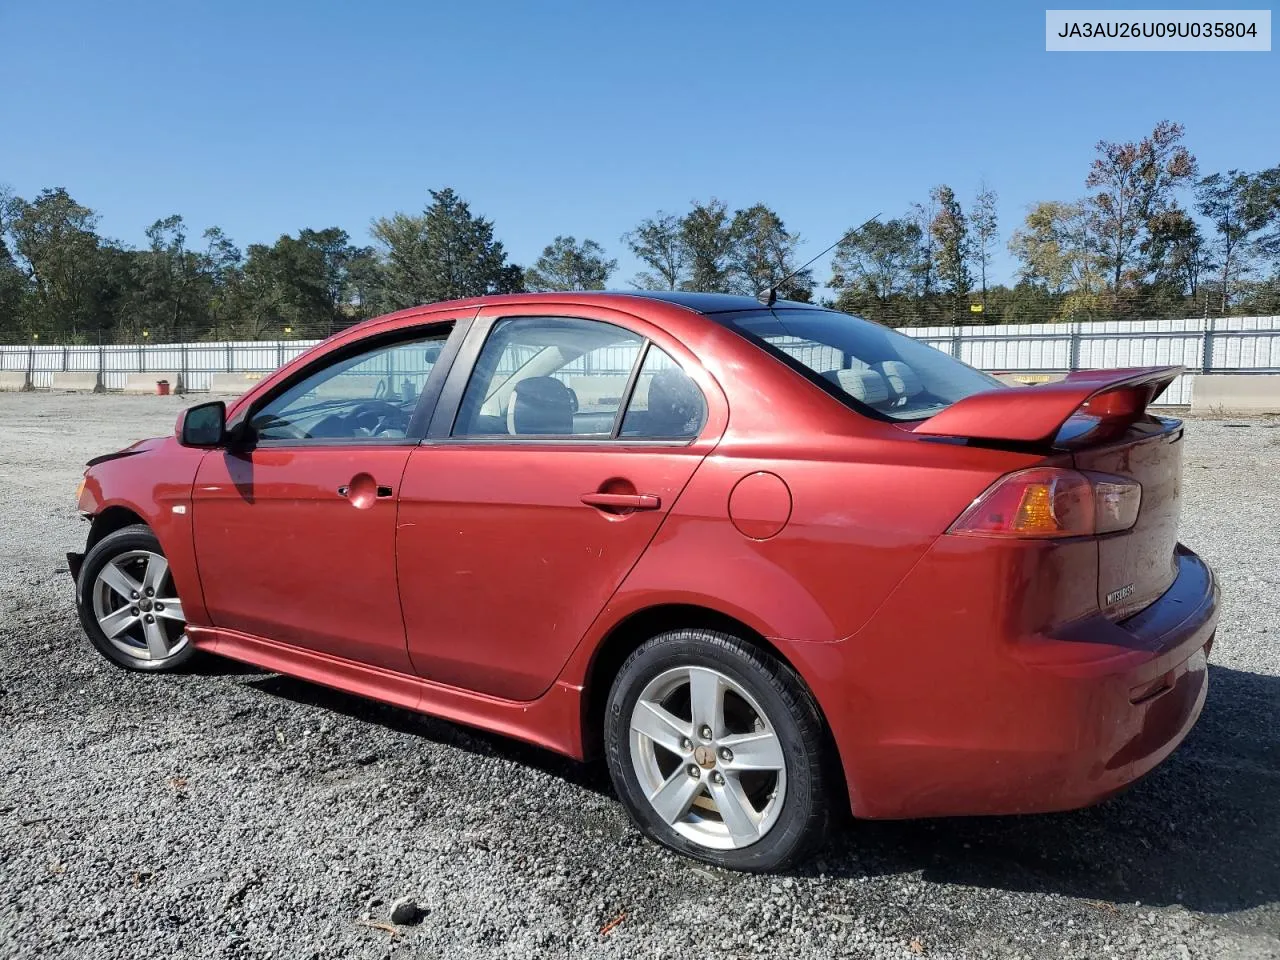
(295, 526)
(520, 518)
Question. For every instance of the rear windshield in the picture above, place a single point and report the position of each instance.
(862, 363)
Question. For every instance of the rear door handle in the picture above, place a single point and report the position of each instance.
(622, 501)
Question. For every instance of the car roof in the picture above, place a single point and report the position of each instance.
(708, 304)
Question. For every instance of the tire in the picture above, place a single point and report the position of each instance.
(132, 557)
(767, 715)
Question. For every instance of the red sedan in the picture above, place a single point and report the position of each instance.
(768, 560)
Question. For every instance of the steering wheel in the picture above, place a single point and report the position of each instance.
(373, 415)
(271, 427)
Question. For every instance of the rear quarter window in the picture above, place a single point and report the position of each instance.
(868, 366)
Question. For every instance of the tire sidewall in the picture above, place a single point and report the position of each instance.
(136, 537)
(791, 831)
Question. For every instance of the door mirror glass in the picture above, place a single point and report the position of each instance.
(204, 425)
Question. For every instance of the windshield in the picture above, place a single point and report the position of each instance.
(863, 363)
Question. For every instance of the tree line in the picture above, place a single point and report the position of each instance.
(1151, 237)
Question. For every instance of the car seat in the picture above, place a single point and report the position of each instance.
(540, 406)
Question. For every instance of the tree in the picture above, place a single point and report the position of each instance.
(880, 258)
(1237, 205)
(220, 264)
(443, 254)
(1267, 187)
(985, 225)
(658, 243)
(1175, 250)
(1054, 247)
(707, 236)
(56, 242)
(922, 216)
(950, 232)
(566, 264)
(1134, 182)
(762, 252)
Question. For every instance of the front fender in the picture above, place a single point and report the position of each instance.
(155, 485)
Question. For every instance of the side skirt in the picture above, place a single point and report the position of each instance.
(553, 721)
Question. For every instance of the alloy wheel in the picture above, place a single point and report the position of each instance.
(137, 606)
(707, 757)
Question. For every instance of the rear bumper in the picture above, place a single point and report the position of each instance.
(1033, 723)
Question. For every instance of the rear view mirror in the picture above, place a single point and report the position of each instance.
(433, 354)
(204, 425)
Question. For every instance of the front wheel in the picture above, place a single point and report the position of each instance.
(716, 749)
(128, 604)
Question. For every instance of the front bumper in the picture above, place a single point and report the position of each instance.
(995, 722)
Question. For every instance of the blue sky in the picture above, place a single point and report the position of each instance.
(581, 118)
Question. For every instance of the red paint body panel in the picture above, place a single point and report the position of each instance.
(552, 721)
(151, 480)
(958, 675)
(284, 556)
(491, 537)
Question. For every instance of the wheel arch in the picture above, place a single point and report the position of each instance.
(644, 624)
(110, 520)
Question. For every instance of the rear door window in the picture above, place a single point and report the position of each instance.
(549, 377)
(570, 378)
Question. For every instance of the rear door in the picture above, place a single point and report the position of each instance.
(567, 441)
(295, 529)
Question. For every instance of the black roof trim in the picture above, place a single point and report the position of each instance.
(710, 302)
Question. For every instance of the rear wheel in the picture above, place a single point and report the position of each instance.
(128, 604)
(716, 749)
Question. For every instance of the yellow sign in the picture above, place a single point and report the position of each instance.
(975, 308)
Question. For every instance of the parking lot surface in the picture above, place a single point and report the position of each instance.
(227, 812)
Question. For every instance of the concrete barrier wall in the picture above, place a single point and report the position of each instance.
(1227, 394)
(77, 382)
(146, 382)
(13, 382)
(233, 383)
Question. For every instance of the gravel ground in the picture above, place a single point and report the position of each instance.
(234, 813)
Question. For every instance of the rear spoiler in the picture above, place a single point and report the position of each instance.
(1036, 414)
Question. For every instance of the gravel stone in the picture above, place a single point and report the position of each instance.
(405, 911)
(228, 812)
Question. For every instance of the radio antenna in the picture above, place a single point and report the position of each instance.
(769, 295)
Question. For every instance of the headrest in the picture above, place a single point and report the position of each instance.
(867, 386)
(540, 405)
(903, 381)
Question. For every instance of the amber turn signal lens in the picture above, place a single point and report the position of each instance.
(1050, 502)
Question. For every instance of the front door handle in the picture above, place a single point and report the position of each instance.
(622, 501)
(380, 490)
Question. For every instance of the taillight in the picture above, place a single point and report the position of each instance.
(1048, 502)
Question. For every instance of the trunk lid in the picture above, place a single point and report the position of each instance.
(1100, 417)
(1137, 565)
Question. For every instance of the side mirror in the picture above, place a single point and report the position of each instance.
(204, 425)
